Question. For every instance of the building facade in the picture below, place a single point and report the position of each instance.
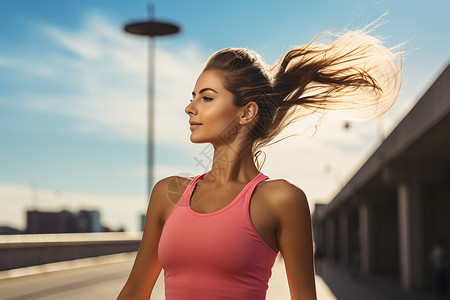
(386, 218)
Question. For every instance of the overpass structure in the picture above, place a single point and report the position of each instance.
(24, 250)
(389, 213)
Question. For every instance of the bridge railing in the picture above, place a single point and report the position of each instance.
(17, 251)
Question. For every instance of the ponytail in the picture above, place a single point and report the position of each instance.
(355, 73)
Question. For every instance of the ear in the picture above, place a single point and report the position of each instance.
(248, 113)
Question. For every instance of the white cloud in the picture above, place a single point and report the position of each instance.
(26, 66)
(84, 45)
(105, 81)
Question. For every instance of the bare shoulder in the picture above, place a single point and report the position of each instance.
(166, 194)
(174, 180)
(171, 188)
(173, 183)
(282, 190)
(283, 196)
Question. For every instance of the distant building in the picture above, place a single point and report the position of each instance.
(50, 222)
(89, 221)
(9, 230)
(142, 222)
(63, 222)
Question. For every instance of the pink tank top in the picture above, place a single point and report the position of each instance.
(216, 255)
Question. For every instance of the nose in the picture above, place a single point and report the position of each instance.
(191, 109)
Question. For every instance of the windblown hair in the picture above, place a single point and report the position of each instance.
(354, 72)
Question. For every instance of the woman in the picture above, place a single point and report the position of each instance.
(217, 235)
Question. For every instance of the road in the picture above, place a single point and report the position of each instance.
(103, 281)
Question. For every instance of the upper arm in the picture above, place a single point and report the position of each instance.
(146, 268)
(294, 237)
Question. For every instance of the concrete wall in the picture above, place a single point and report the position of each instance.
(18, 251)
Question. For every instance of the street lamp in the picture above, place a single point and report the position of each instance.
(151, 28)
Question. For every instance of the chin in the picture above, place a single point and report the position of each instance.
(199, 139)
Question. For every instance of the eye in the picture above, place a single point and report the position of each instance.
(207, 98)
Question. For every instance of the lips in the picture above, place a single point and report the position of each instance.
(194, 124)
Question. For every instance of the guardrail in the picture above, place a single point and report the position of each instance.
(17, 251)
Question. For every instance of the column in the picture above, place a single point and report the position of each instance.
(330, 251)
(365, 223)
(410, 236)
(344, 237)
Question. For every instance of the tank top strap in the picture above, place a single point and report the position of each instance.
(251, 187)
(187, 192)
(186, 196)
(189, 189)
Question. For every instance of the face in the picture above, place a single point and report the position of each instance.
(212, 109)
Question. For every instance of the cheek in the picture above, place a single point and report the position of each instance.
(220, 118)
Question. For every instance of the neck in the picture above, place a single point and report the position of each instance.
(232, 162)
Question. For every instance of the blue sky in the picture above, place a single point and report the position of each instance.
(73, 94)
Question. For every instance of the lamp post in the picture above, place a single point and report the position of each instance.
(151, 28)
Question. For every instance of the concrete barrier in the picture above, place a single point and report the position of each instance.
(17, 251)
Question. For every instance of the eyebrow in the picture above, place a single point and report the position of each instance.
(204, 90)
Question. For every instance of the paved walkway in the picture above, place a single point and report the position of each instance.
(279, 289)
(343, 287)
(103, 277)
